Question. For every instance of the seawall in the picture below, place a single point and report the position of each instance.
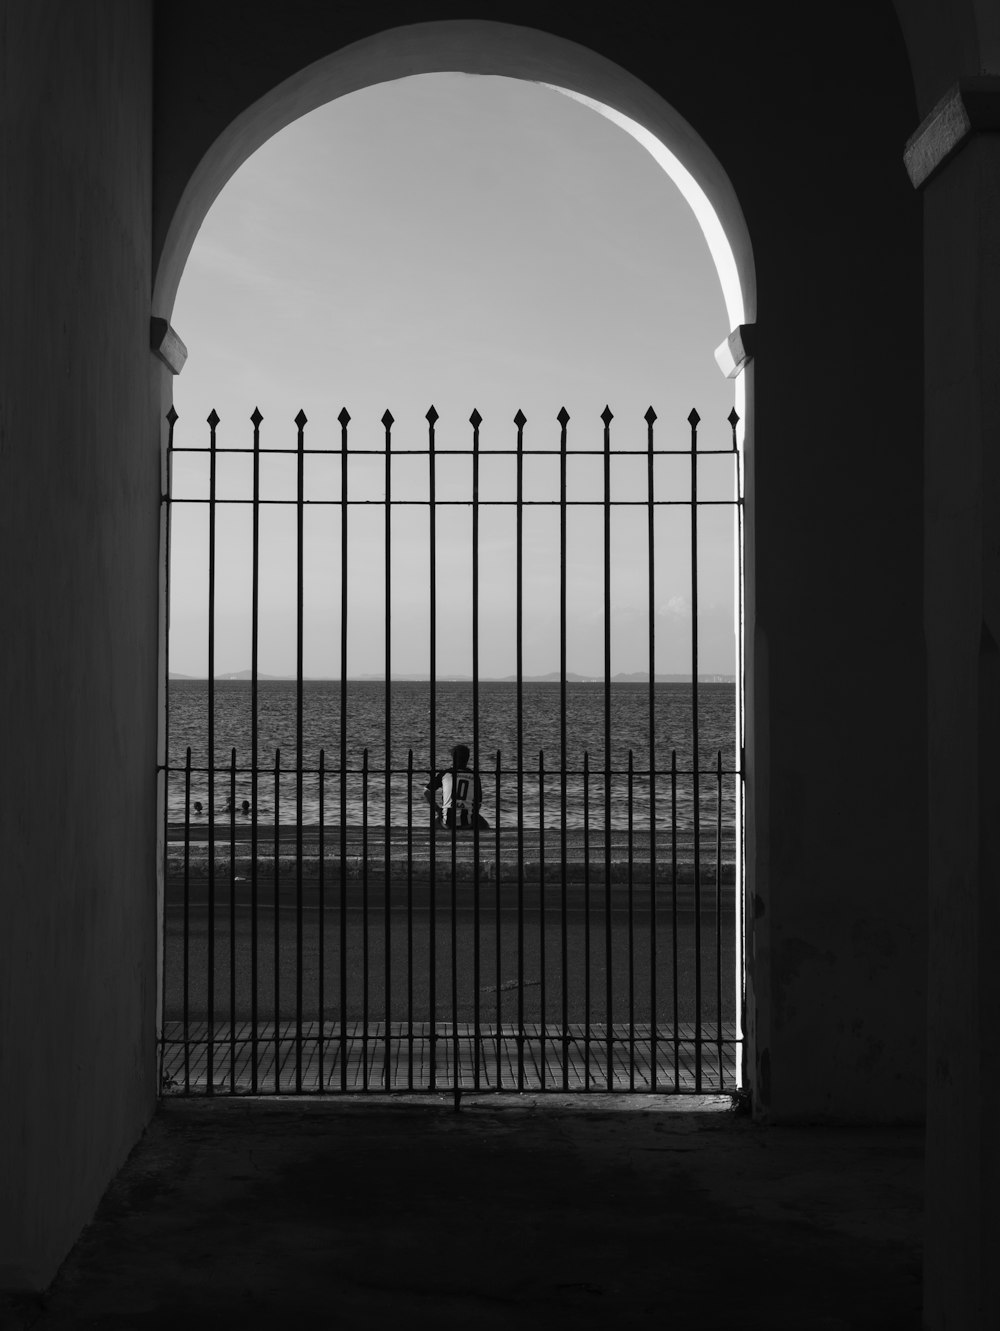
(550, 857)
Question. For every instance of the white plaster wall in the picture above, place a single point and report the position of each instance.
(78, 617)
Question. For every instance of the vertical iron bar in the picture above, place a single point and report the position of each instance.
(232, 922)
(321, 941)
(475, 420)
(631, 929)
(456, 1081)
(563, 747)
(739, 792)
(606, 417)
(186, 952)
(254, 635)
(541, 915)
(432, 631)
(496, 907)
(409, 919)
(300, 421)
(387, 830)
(213, 421)
(651, 586)
(277, 921)
(586, 919)
(673, 915)
(167, 504)
(693, 419)
(718, 916)
(344, 417)
(364, 918)
(519, 421)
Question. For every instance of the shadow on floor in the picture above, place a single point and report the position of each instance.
(519, 1212)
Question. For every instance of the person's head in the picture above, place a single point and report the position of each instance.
(460, 755)
(245, 806)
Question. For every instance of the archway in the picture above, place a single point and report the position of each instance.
(475, 48)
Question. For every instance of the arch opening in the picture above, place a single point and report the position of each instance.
(726, 257)
(477, 47)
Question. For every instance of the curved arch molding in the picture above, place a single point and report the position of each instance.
(478, 47)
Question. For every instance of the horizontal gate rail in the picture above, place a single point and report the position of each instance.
(506, 1058)
(325, 935)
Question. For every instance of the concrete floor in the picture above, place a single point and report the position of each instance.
(515, 1212)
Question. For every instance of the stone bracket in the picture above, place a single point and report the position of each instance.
(165, 344)
(972, 106)
(733, 355)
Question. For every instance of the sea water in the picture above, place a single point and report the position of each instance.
(541, 788)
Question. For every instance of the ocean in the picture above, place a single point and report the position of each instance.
(542, 792)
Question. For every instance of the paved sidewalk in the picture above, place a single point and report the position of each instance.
(526, 1213)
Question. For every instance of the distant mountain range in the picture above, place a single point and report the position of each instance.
(239, 674)
(635, 677)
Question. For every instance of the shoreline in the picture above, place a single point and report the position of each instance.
(528, 855)
(534, 860)
(224, 832)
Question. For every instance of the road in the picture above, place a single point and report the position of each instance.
(505, 971)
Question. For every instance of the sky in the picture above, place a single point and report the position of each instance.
(472, 243)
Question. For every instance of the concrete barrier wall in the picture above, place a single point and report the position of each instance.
(574, 872)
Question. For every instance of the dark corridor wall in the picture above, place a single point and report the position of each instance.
(107, 111)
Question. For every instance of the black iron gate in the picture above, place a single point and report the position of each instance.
(326, 930)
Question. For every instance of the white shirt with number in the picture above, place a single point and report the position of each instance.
(464, 794)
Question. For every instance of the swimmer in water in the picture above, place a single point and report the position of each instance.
(245, 808)
(198, 808)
